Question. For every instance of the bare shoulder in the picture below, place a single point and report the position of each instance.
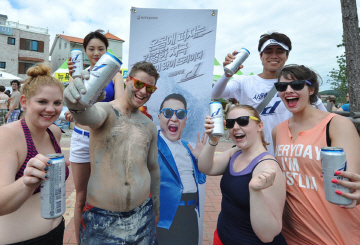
(341, 120)
(10, 135)
(56, 131)
(267, 162)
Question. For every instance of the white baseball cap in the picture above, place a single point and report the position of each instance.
(272, 42)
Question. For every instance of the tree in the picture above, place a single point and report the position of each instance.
(338, 80)
(352, 51)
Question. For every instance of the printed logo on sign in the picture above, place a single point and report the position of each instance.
(99, 67)
(147, 17)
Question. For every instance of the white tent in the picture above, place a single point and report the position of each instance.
(6, 78)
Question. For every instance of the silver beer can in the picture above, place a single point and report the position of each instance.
(240, 57)
(77, 59)
(334, 159)
(217, 115)
(100, 76)
(52, 190)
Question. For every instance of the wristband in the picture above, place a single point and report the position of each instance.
(77, 111)
(212, 144)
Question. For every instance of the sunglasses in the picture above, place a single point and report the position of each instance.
(295, 85)
(241, 121)
(139, 85)
(168, 113)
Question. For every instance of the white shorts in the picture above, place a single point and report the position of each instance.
(79, 146)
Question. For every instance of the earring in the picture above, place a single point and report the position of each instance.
(24, 107)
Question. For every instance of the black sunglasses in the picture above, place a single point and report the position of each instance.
(168, 113)
(241, 121)
(295, 85)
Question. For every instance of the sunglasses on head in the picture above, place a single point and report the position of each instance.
(295, 85)
(241, 121)
(139, 85)
(168, 113)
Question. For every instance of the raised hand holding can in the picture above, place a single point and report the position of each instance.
(240, 57)
(217, 115)
(100, 76)
(77, 59)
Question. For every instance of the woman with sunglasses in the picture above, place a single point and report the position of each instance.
(95, 45)
(308, 217)
(252, 184)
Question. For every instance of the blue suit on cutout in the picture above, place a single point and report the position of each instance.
(171, 187)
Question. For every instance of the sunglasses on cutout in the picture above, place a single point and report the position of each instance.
(139, 85)
(295, 85)
(241, 121)
(168, 113)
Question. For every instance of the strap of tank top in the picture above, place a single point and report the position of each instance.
(54, 141)
(272, 159)
(27, 133)
(328, 140)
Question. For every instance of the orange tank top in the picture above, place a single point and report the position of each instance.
(308, 217)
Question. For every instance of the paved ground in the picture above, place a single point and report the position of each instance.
(212, 199)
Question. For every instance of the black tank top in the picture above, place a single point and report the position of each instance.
(234, 226)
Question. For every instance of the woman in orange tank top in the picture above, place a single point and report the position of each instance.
(308, 217)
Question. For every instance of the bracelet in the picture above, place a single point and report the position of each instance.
(77, 111)
(212, 144)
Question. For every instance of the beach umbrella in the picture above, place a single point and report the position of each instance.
(6, 78)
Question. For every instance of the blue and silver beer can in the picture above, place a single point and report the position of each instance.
(240, 57)
(52, 190)
(100, 76)
(217, 115)
(334, 159)
(77, 59)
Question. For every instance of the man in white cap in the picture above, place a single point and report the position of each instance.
(251, 90)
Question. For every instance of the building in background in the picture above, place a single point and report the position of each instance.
(62, 46)
(22, 46)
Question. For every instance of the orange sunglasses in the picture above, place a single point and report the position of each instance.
(139, 85)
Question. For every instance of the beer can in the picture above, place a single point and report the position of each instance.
(77, 59)
(217, 115)
(334, 159)
(52, 190)
(240, 57)
(100, 76)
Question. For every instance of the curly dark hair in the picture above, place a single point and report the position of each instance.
(301, 72)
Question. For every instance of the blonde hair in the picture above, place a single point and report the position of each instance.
(254, 113)
(39, 76)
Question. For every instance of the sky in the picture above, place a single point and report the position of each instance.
(314, 27)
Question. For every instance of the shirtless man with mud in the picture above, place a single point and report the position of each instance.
(124, 163)
(14, 110)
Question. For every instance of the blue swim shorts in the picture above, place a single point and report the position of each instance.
(136, 227)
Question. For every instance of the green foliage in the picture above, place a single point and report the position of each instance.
(338, 77)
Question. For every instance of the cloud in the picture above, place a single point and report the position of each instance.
(315, 27)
